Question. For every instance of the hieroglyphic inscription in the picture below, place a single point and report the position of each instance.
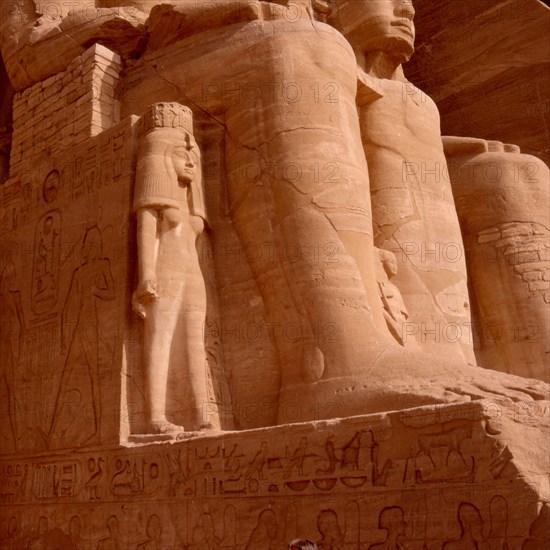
(55, 480)
(47, 246)
(98, 165)
(136, 476)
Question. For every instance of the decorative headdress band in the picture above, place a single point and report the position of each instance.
(168, 115)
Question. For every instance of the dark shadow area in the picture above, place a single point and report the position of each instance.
(487, 66)
(6, 100)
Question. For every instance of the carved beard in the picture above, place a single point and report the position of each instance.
(398, 48)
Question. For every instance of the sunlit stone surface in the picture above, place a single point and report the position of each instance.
(250, 294)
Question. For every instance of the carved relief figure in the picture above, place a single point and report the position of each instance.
(439, 455)
(93, 484)
(350, 452)
(40, 541)
(50, 188)
(134, 477)
(265, 535)
(392, 520)
(45, 279)
(498, 518)
(178, 478)
(10, 541)
(12, 335)
(23, 484)
(171, 294)
(154, 533)
(75, 528)
(471, 530)
(333, 460)
(256, 467)
(296, 460)
(204, 534)
(539, 534)
(395, 312)
(332, 536)
(112, 541)
(44, 482)
(91, 281)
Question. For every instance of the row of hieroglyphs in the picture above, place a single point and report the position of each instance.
(353, 460)
(86, 170)
(375, 525)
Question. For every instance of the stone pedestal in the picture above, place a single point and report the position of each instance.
(430, 476)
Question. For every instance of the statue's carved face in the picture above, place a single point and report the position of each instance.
(186, 159)
(390, 264)
(371, 25)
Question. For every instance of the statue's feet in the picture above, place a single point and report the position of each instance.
(401, 379)
(206, 426)
(447, 381)
(163, 427)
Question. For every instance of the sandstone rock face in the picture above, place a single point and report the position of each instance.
(490, 79)
(244, 295)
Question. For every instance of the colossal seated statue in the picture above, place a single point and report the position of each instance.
(248, 290)
(410, 215)
(413, 214)
(414, 211)
(338, 168)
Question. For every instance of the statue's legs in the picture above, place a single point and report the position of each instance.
(311, 201)
(90, 348)
(415, 217)
(325, 323)
(188, 355)
(158, 333)
(173, 348)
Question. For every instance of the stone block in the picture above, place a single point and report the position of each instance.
(345, 478)
(97, 50)
(539, 285)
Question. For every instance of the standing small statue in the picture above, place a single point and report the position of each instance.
(171, 294)
(395, 311)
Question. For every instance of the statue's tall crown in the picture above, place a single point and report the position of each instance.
(168, 115)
